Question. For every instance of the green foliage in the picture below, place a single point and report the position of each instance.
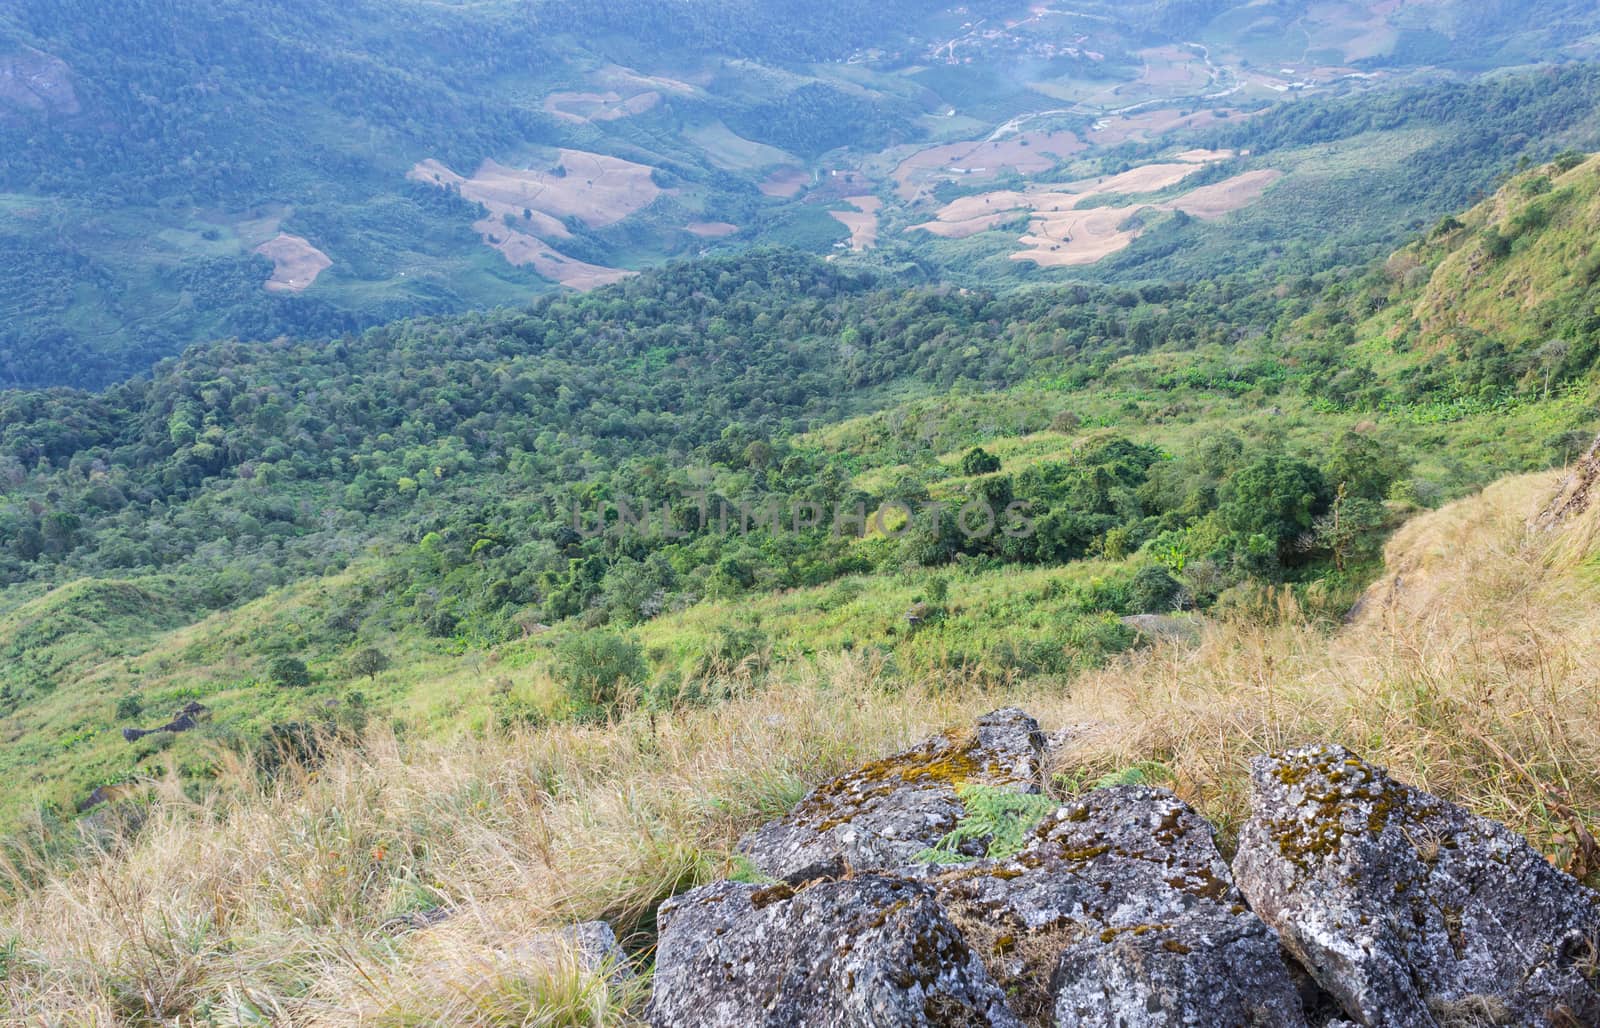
(1153, 590)
(1147, 772)
(598, 671)
(130, 706)
(977, 461)
(370, 662)
(1275, 497)
(999, 818)
(288, 673)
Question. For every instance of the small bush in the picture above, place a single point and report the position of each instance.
(289, 673)
(979, 461)
(370, 663)
(597, 671)
(130, 706)
(1153, 591)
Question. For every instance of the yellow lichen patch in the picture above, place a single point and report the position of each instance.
(945, 763)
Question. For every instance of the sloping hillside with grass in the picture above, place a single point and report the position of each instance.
(1519, 272)
(1469, 672)
(402, 531)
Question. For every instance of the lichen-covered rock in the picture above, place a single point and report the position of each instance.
(865, 952)
(1121, 912)
(591, 947)
(1408, 909)
(881, 815)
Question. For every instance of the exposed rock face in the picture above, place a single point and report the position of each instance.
(1164, 628)
(880, 816)
(866, 952)
(1120, 911)
(185, 720)
(35, 82)
(1356, 897)
(1409, 910)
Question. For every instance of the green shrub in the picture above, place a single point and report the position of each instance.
(370, 663)
(597, 670)
(289, 673)
(1000, 818)
(979, 461)
(1153, 591)
(130, 706)
(1275, 497)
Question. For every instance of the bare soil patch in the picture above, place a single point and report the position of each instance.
(529, 206)
(1204, 156)
(1076, 237)
(1027, 153)
(1063, 232)
(785, 183)
(35, 81)
(295, 263)
(1224, 197)
(1147, 125)
(710, 229)
(862, 222)
(586, 108)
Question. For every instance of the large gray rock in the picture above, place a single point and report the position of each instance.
(1409, 910)
(865, 952)
(1121, 912)
(879, 816)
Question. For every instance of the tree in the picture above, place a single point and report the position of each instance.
(1276, 497)
(370, 662)
(1363, 466)
(979, 461)
(289, 673)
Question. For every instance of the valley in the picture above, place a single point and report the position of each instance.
(775, 142)
(1020, 512)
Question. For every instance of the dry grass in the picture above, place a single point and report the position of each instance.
(1473, 675)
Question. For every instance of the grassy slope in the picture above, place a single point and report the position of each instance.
(1468, 670)
(1475, 679)
(60, 748)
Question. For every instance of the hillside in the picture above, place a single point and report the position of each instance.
(174, 172)
(1472, 679)
(402, 528)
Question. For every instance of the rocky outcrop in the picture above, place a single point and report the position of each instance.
(865, 952)
(883, 814)
(185, 720)
(1120, 911)
(33, 82)
(1408, 909)
(1356, 897)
